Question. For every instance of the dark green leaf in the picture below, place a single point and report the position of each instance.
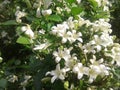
(76, 10)
(93, 3)
(10, 22)
(70, 1)
(29, 18)
(3, 83)
(56, 18)
(81, 84)
(28, 3)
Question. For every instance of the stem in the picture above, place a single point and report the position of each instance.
(85, 59)
(28, 3)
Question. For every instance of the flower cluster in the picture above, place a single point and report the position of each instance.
(67, 32)
(96, 62)
(104, 3)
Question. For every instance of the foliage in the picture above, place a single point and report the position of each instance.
(115, 20)
(58, 45)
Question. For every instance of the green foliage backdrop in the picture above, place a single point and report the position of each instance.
(23, 68)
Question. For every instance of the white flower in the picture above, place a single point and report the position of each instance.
(87, 23)
(106, 40)
(67, 8)
(65, 37)
(80, 70)
(78, 1)
(101, 25)
(81, 21)
(97, 68)
(59, 10)
(94, 71)
(28, 31)
(70, 23)
(46, 12)
(25, 82)
(19, 14)
(69, 63)
(42, 31)
(62, 54)
(95, 62)
(104, 70)
(57, 73)
(60, 29)
(103, 40)
(103, 3)
(12, 78)
(115, 53)
(75, 36)
(87, 48)
(42, 46)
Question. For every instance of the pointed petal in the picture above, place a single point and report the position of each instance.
(53, 79)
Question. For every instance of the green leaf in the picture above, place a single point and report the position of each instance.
(3, 83)
(76, 10)
(30, 18)
(55, 18)
(23, 40)
(28, 3)
(81, 84)
(70, 1)
(10, 22)
(93, 3)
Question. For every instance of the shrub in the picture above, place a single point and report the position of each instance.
(58, 45)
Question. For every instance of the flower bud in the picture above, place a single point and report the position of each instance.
(46, 12)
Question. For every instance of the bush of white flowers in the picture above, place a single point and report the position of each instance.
(72, 45)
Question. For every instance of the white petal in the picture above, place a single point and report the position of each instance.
(80, 75)
(53, 79)
(90, 80)
(64, 40)
(57, 59)
(58, 67)
(61, 77)
(38, 14)
(47, 73)
(55, 53)
(80, 39)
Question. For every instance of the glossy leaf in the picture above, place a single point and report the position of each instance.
(76, 10)
(55, 18)
(23, 40)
